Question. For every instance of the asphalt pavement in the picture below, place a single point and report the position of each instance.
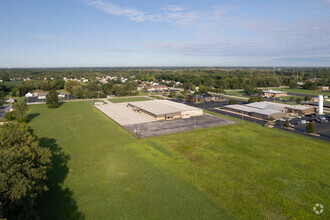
(4, 109)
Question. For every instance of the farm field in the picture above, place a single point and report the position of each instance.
(237, 171)
(129, 99)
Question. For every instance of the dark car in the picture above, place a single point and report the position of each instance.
(310, 120)
(318, 120)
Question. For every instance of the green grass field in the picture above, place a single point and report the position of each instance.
(304, 91)
(129, 99)
(238, 171)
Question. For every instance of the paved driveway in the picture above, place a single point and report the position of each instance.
(4, 110)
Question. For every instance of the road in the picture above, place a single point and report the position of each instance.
(4, 110)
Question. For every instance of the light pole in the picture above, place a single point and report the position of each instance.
(242, 116)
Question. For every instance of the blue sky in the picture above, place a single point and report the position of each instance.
(74, 33)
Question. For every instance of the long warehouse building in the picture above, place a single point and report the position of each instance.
(164, 109)
(267, 110)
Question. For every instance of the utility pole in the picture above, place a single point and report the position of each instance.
(195, 124)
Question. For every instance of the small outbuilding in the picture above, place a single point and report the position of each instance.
(28, 95)
(61, 95)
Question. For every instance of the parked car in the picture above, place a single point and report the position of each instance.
(318, 120)
(310, 120)
(301, 122)
(323, 119)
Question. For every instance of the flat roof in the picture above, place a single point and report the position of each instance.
(255, 110)
(268, 105)
(299, 107)
(274, 91)
(160, 107)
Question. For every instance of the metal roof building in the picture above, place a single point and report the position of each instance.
(164, 109)
(266, 110)
(256, 112)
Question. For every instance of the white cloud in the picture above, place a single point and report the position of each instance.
(49, 37)
(175, 14)
(113, 9)
(173, 8)
(306, 37)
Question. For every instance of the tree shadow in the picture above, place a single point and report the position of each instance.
(30, 117)
(60, 103)
(57, 203)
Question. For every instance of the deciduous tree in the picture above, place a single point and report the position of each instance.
(310, 127)
(23, 166)
(52, 99)
(20, 110)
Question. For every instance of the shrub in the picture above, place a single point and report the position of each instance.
(10, 116)
(252, 99)
(299, 100)
(310, 127)
(260, 98)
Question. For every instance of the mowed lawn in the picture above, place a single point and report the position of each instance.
(111, 175)
(304, 91)
(238, 171)
(129, 99)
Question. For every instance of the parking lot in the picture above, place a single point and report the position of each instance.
(178, 125)
(322, 127)
(35, 99)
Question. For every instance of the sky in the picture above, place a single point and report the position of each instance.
(118, 33)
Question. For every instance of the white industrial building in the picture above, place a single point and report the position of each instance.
(267, 110)
(164, 109)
